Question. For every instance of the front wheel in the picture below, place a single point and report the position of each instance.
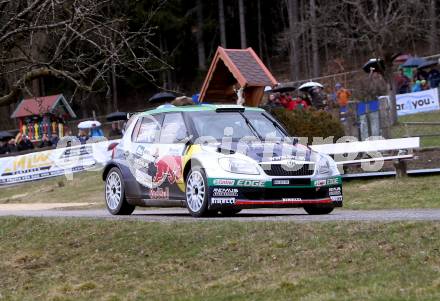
(318, 210)
(115, 194)
(197, 192)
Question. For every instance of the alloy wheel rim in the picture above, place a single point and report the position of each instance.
(195, 191)
(113, 190)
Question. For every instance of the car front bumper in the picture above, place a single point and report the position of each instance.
(276, 192)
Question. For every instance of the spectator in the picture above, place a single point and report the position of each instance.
(342, 95)
(82, 136)
(304, 96)
(297, 103)
(96, 131)
(433, 78)
(424, 84)
(115, 131)
(402, 82)
(11, 147)
(45, 142)
(318, 99)
(3, 147)
(419, 74)
(284, 100)
(25, 143)
(54, 139)
(417, 86)
(274, 102)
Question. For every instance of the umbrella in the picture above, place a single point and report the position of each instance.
(427, 64)
(414, 62)
(88, 124)
(401, 58)
(4, 135)
(377, 65)
(283, 89)
(309, 85)
(115, 116)
(162, 96)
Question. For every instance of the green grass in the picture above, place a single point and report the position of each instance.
(412, 192)
(415, 130)
(84, 187)
(55, 259)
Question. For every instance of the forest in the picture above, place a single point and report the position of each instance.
(114, 54)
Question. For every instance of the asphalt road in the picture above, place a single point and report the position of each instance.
(291, 215)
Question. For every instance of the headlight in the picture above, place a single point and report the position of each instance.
(323, 166)
(238, 166)
(326, 166)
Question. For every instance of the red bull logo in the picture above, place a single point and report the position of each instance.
(168, 167)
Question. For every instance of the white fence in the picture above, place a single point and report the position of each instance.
(54, 162)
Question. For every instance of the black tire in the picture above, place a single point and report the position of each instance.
(318, 210)
(196, 192)
(230, 212)
(114, 194)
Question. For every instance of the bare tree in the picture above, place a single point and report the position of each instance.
(383, 28)
(292, 9)
(242, 24)
(314, 39)
(221, 18)
(433, 34)
(199, 36)
(74, 40)
(260, 30)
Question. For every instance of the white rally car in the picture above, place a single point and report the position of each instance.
(216, 159)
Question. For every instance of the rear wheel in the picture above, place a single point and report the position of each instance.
(115, 194)
(318, 210)
(196, 192)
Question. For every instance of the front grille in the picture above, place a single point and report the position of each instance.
(280, 193)
(283, 170)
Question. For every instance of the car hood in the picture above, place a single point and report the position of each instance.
(266, 151)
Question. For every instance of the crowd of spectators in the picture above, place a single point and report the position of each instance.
(313, 97)
(420, 80)
(22, 142)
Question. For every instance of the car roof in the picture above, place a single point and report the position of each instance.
(199, 108)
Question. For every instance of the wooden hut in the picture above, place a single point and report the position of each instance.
(43, 115)
(232, 69)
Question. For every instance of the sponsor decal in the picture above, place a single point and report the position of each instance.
(169, 167)
(225, 192)
(250, 183)
(331, 181)
(319, 183)
(334, 191)
(292, 199)
(159, 193)
(140, 150)
(229, 201)
(281, 182)
(224, 182)
(336, 198)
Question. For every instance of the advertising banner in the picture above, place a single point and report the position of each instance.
(417, 102)
(55, 162)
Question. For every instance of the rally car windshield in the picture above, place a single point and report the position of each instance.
(235, 125)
